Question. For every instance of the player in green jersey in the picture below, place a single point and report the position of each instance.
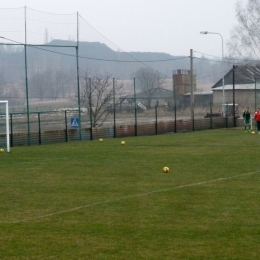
(247, 119)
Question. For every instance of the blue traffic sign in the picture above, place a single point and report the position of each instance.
(74, 122)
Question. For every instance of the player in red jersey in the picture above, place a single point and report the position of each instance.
(257, 119)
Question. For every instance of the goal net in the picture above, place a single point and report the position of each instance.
(4, 126)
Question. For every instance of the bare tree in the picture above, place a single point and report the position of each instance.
(49, 84)
(98, 95)
(37, 85)
(60, 80)
(245, 36)
(148, 80)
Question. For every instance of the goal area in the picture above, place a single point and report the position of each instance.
(4, 126)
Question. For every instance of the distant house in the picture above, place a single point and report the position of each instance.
(163, 96)
(246, 87)
(244, 74)
(245, 94)
(202, 99)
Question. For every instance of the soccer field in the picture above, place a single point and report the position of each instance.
(103, 200)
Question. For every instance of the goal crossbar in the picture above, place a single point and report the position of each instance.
(7, 124)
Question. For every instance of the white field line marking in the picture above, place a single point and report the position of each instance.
(127, 197)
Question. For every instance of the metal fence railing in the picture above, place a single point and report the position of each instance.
(63, 126)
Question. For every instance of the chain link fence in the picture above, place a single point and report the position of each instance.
(62, 79)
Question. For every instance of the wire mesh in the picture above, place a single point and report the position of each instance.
(44, 60)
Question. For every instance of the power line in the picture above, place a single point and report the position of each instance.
(233, 60)
(36, 46)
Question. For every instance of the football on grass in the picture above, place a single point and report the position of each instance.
(166, 169)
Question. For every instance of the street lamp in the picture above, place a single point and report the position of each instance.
(223, 83)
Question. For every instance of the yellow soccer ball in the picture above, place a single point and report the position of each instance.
(2, 150)
(123, 142)
(100, 140)
(166, 169)
(253, 132)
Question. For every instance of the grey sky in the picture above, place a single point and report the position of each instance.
(170, 26)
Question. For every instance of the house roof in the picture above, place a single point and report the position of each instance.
(251, 86)
(202, 93)
(244, 74)
(157, 94)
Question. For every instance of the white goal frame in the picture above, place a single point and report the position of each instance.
(7, 124)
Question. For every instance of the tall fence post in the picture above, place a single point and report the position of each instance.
(26, 80)
(114, 107)
(11, 126)
(156, 126)
(78, 85)
(135, 110)
(191, 92)
(90, 107)
(174, 103)
(66, 127)
(39, 130)
(234, 103)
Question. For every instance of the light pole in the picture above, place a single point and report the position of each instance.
(223, 82)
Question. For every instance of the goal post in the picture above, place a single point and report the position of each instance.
(5, 102)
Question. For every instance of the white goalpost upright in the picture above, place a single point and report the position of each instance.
(7, 125)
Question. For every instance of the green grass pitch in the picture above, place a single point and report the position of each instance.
(103, 200)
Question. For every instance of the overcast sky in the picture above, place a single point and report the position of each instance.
(170, 26)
